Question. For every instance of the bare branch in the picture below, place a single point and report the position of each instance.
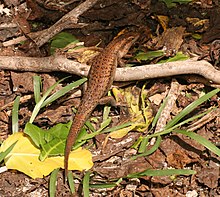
(60, 63)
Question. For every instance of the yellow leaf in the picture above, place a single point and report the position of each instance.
(121, 132)
(139, 116)
(24, 158)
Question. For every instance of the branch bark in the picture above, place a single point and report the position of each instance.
(60, 63)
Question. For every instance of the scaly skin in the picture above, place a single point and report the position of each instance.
(100, 79)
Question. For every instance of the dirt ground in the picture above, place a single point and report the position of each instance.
(191, 28)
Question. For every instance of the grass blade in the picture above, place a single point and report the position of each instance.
(191, 107)
(103, 186)
(5, 153)
(179, 124)
(71, 182)
(143, 145)
(86, 184)
(201, 140)
(37, 88)
(63, 91)
(41, 101)
(154, 122)
(127, 124)
(15, 108)
(52, 184)
(150, 151)
(93, 134)
(165, 172)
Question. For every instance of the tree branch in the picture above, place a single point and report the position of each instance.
(60, 63)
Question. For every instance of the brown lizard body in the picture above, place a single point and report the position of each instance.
(100, 79)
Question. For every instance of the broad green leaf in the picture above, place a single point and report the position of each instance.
(51, 142)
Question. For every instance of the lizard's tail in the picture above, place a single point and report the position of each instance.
(78, 122)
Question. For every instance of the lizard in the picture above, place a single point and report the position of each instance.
(100, 79)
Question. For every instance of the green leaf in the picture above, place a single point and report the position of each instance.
(201, 140)
(53, 180)
(178, 57)
(61, 40)
(86, 184)
(51, 142)
(165, 172)
(35, 133)
(149, 55)
(5, 153)
(15, 126)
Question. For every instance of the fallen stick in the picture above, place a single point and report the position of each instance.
(61, 63)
